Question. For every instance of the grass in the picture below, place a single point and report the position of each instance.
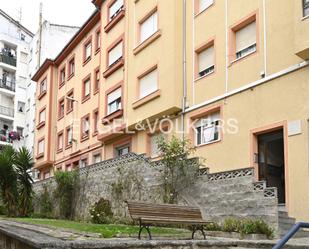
(107, 231)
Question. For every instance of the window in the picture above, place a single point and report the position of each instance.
(42, 116)
(87, 51)
(306, 7)
(83, 163)
(22, 37)
(114, 101)
(70, 101)
(149, 27)
(72, 67)
(46, 174)
(204, 4)
(115, 54)
(148, 84)
(21, 107)
(41, 146)
(69, 136)
(20, 131)
(85, 127)
(207, 129)
(98, 40)
(115, 8)
(246, 40)
(206, 61)
(96, 158)
(95, 120)
(123, 150)
(60, 141)
(154, 149)
(62, 77)
(61, 108)
(97, 80)
(43, 86)
(86, 88)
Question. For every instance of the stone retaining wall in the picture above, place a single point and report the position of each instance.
(219, 195)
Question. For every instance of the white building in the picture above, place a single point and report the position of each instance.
(21, 53)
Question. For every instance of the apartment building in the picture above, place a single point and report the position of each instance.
(230, 76)
(22, 52)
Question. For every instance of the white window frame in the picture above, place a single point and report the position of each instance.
(95, 158)
(208, 70)
(122, 147)
(143, 83)
(207, 4)
(117, 57)
(249, 49)
(206, 123)
(41, 146)
(115, 8)
(149, 26)
(88, 50)
(85, 126)
(117, 101)
(42, 114)
(58, 143)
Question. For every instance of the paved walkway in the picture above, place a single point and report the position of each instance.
(46, 237)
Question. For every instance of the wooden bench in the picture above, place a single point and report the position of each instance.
(148, 214)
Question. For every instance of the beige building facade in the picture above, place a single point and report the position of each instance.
(230, 75)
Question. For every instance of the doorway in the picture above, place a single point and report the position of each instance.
(271, 163)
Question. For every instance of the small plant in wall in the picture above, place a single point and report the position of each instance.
(101, 212)
(177, 173)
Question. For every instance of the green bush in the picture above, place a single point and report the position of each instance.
(231, 225)
(101, 212)
(45, 202)
(213, 227)
(3, 210)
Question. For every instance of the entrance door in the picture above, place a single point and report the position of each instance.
(271, 161)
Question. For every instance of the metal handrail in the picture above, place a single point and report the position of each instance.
(7, 84)
(8, 59)
(290, 234)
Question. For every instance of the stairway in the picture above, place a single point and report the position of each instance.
(286, 223)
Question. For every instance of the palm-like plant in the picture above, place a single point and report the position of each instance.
(8, 180)
(23, 163)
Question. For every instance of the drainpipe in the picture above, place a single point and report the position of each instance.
(226, 48)
(40, 37)
(184, 66)
(265, 38)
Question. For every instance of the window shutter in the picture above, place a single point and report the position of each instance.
(149, 26)
(149, 83)
(60, 141)
(114, 95)
(206, 58)
(115, 54)
(246, 37)
(204, 4)
(41, 146)
(87, 87)
(114, 8)
(42, 116)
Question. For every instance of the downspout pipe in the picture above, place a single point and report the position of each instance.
(184, 66)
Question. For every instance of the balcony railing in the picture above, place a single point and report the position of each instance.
(8, 58)
(7, 111)
(7, 84)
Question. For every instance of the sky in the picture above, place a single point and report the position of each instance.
(66, 12)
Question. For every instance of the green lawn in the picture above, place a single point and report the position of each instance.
(107, 231)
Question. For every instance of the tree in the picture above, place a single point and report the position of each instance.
(177, 173)
(8, 180)
(23, 164)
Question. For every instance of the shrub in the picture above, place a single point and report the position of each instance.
(231, 225)
(101, 212)
(64, 192)
(45, 202)
(213, 227)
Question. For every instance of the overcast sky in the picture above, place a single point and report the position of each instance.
(67, 12)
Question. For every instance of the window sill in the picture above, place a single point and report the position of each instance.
(69, 111)
(204, 10)
(109, 118)
(147, 42)
(59, 118)
(114, 21)
(86, 61)
(96, 91)
(242, 58)
(59, 151)
(97, 51)
(304, 18)
(40, 125)
(42, 94)
(204, 76)
(86, 98)
(95, 133)
(84, 138)
(68, 146)
(70, 76)
(39, 156)
(146, 99)
(210, 143)
(61, 85)
(113, 68)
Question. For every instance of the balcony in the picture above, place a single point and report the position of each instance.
(8, 58)
(7, 111)
(7, 84)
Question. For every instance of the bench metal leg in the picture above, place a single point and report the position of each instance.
(141, 227)
(198, 228)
